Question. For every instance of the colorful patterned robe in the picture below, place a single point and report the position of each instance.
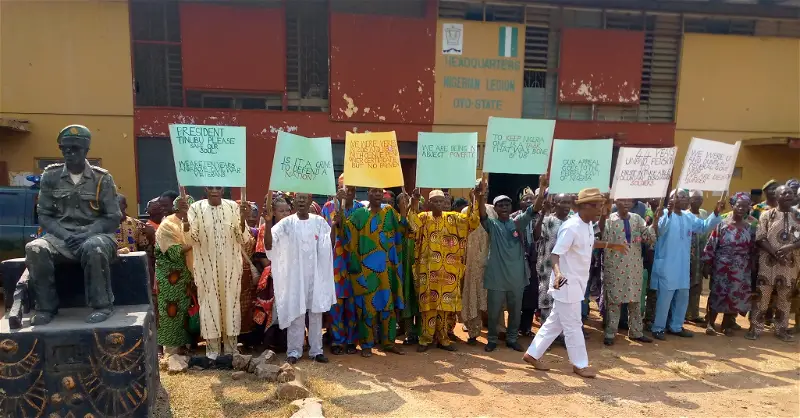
(622, 273)
(440, 263)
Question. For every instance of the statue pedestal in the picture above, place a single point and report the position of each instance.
(73, 368)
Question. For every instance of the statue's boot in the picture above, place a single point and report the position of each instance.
(41, 318)
(99, 315)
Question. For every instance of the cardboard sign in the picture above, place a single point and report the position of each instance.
(518, 146)
(207, 155)
(708, 165)
(643, 172)
(580, 164)
(447, 160)
(303, 165)
(372, 160)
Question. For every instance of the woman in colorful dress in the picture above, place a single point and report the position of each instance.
(264, 312)
(250, 277)
(728, 257)
(173, 255)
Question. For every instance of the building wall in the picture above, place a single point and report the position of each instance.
(483, 79)
(65, 63)
(382, 68)
(733, 88)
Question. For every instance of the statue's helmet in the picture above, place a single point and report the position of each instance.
(75, 131)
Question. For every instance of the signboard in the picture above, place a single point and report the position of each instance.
(580, 164)
(447, 160)
(518, 146)
(708, 165)
(643, 172)
(207, 155)
(372, 160)
(479, 71)
(303, 165)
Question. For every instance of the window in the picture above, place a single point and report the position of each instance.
(307, 56)
(482, 12)
(405, 8)
(158, 75)
(230, 100)
(720, 26)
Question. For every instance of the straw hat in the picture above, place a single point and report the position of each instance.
(590, 195)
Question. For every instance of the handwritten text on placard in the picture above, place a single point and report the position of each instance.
(209, 155)
(446, 160)
(643, 172)
(708, 165)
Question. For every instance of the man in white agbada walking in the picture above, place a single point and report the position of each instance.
(300, 248)
(571, 258)
(216, 229)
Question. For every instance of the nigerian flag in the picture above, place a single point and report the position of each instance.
(507, 41)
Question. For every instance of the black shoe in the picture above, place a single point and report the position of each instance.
(411, 340)
(515, 346)
(351, 349)
(472, 341)
(683, 333)
(490, 347)
(291, 360)
(41, 318)
(422, 348)
(659, 336)
(450, 347)
(608, 341)
(337, 350)
(99, 315)
(320, 358)
(643, 339)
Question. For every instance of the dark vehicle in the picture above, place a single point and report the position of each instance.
(19, 223)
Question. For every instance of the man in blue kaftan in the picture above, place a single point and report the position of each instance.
(671, 266)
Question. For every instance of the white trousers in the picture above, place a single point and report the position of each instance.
(566, 318)
(215, 345)
(296, 335)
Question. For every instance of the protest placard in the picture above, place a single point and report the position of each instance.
(580, 164)
(303, 165)
(708, 165)
(447, 160)
(518, 146)
(372, 160)
(643, 172)
(209, 155)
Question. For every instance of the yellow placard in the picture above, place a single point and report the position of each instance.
(372, 160)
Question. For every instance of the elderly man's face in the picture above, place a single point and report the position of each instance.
(74, 150)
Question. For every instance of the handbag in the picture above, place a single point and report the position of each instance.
(194, 316)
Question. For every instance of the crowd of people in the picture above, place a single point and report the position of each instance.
(236, 274)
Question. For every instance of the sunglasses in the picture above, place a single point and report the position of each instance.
(70, 148)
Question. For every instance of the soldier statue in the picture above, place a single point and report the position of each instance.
(79, 212)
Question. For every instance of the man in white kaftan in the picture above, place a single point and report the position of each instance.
(216, 230)
(300, 247)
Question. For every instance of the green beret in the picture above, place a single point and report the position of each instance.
(75, 131)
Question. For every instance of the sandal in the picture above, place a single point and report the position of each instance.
(711, 331)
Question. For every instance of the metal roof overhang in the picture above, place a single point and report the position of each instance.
(14, 125)
(791, 141)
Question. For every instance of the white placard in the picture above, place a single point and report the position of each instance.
(643, 172)
(708, 165)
